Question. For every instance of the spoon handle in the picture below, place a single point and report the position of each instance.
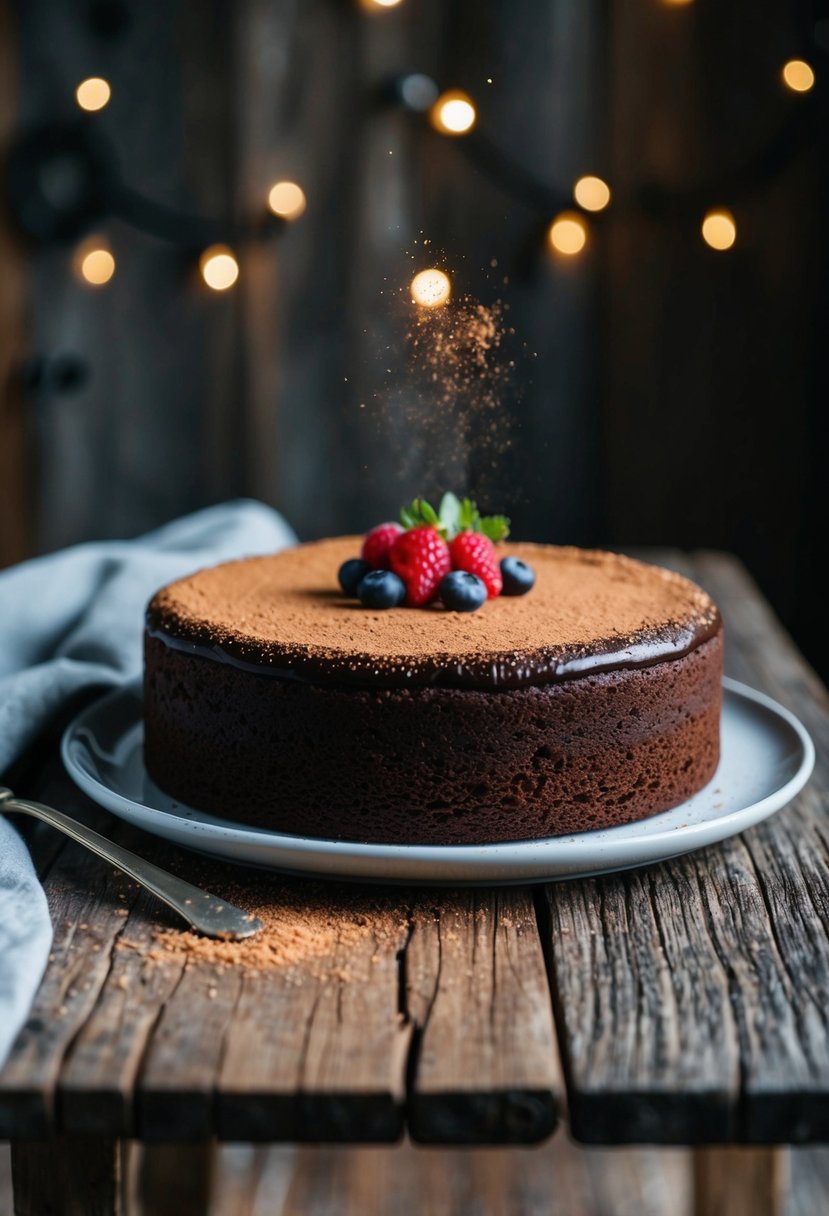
(206, 913)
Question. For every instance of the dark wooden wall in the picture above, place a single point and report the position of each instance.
(663, 393)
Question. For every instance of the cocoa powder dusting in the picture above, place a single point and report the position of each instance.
(306, 925)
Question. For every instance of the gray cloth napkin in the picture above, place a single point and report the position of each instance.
(74, 620)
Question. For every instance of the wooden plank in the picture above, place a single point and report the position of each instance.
(486, 1066)
(98, 1078)
(175, 1097)
(692, 997)
(739, 1181)
(88, 904)
(66, 1177)
(785, 1035)
(14, 496)
(643, 1007)
(316, 1049)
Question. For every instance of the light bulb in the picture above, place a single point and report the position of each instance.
(93, 93)
(431, 288)
(93, 262)
(568, 233)
(591, 193)
(287, 200)
(453, 113)
(719, 229)
(219, 267)
(798, 76)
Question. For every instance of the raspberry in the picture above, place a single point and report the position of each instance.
(475, 553)
(377, 544)
(421, 558)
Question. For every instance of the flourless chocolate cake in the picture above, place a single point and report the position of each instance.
(273, 700)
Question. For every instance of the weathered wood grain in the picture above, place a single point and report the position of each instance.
(644, 1009)
(175, 1093)
(87, 904)
(485, 1069)
(99, 1076)
(692, 997)
(785, 1031)
(318, 1053)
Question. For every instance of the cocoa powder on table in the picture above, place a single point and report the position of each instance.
(307, 925)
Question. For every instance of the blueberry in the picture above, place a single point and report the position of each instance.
(518, 577)
(462, 592)
(351, 572)
(381, 589)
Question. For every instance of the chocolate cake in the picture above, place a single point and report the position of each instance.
(272, 700)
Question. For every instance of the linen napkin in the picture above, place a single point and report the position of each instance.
(73, 620)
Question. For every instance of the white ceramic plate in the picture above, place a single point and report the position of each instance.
(767, 757)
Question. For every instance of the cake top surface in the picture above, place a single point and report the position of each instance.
(589, 610)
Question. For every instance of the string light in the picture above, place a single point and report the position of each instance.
(94, 262)
(431, 288)
(93, 93)
(591, 193)
(287, 200)
(798, 76)
(719, 229)
(568, 233)
(219, 267)
(453, 113)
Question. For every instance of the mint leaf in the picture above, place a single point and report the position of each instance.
(449, 513)
(418, 513)
(496, 527)
(426, 512)
(468, 518)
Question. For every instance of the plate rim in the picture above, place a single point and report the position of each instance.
(308, 849)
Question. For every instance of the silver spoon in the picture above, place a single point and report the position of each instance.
(206, 913)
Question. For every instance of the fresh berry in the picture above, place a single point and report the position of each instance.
(351, 572)
(462, 592)
(377, 544)
(517, 576)
(381, 589)
(475, 553)
(421, 558)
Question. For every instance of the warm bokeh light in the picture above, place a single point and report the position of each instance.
(453, 113)
(591, 193)
(568, 233)
(219, 267)
(677, 3)
(93, 93)
(719, 229)
(380, 3)
(93, 262)
(287, 200)
(431, 288)
(798, 76)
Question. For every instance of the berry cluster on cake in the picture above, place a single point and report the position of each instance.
(447, 556)
(280, 694)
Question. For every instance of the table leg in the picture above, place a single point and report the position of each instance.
(177, 1178)
(67, 1177)
(739, 1181)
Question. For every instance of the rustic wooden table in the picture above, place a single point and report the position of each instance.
(683, 1004)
